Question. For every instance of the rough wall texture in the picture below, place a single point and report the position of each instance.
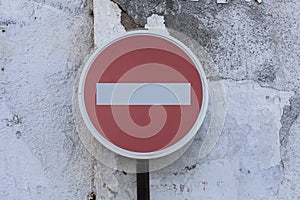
(255, 46)
(41, 47)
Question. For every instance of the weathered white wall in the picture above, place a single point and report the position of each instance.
(44, 42)
(41, 47)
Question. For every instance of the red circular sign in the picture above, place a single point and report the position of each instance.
(143, 94)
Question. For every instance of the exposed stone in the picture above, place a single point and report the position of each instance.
(244, 38)
(43, 44)
(266, 74)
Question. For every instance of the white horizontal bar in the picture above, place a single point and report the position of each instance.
(143, 94)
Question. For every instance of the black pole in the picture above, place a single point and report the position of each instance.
(142, 180)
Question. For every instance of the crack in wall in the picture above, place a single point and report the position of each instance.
(289, 116)
(219, 78)
(92, 195)
(91, 13)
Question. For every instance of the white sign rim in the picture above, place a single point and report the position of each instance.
(149, 155)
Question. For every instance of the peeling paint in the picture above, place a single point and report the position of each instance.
(255, 48)
(108, 15)
(222, 1)
(156, 23)
(248, 149)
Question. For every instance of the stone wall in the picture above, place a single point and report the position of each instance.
(255, 47)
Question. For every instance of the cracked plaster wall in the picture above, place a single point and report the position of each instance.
(255, 47)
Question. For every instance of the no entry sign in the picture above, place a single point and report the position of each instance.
(143, 95)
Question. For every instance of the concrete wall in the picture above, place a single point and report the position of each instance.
(256, 50)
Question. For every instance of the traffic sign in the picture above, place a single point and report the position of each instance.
(143, 95)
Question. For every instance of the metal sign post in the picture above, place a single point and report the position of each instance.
(142, 180)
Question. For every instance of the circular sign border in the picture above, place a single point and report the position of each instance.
(138, 155)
